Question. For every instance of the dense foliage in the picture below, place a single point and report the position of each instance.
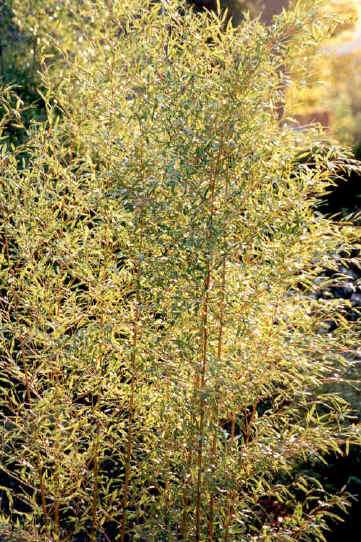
(164, 367)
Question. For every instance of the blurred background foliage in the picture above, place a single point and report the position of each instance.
(334, 97)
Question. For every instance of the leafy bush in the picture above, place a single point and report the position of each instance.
(162, 363)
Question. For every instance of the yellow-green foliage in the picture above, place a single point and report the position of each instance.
(342, 97)
(334, 87)
(161, 367)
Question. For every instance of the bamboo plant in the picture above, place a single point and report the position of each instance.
(162, 360)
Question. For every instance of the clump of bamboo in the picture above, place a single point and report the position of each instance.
(162, 368)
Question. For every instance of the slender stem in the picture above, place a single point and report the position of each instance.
(204, 342)
(42, 492)
(57, 520)
(185, 496)
(26, 372)
(95, 489)
(219, 357)
(27, 384)
(133, 361)
(202, 406)
(57, 455)
(231, 496)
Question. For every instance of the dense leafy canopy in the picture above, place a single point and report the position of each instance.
(163, 364)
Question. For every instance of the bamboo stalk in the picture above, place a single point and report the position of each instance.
(202, 409)
(219, 357)
(42, 492)
(204, 345)
(231, 495)
(133, 363)
(95, 490)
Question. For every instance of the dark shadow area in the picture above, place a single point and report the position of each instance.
(345, 473)
(19, 70)
(233, 8)
(344, 197)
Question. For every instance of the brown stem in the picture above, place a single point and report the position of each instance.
(129, 450)
(204, 344)
(57, 494)
(26, 373)
(27, 383)
(185, 496)
(95, 489)
(57, 520)
(42, 492)
(231, 495)
(202, 407)
(212, 497)
(219, 358)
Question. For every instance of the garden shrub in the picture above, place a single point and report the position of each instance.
(162, 362)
